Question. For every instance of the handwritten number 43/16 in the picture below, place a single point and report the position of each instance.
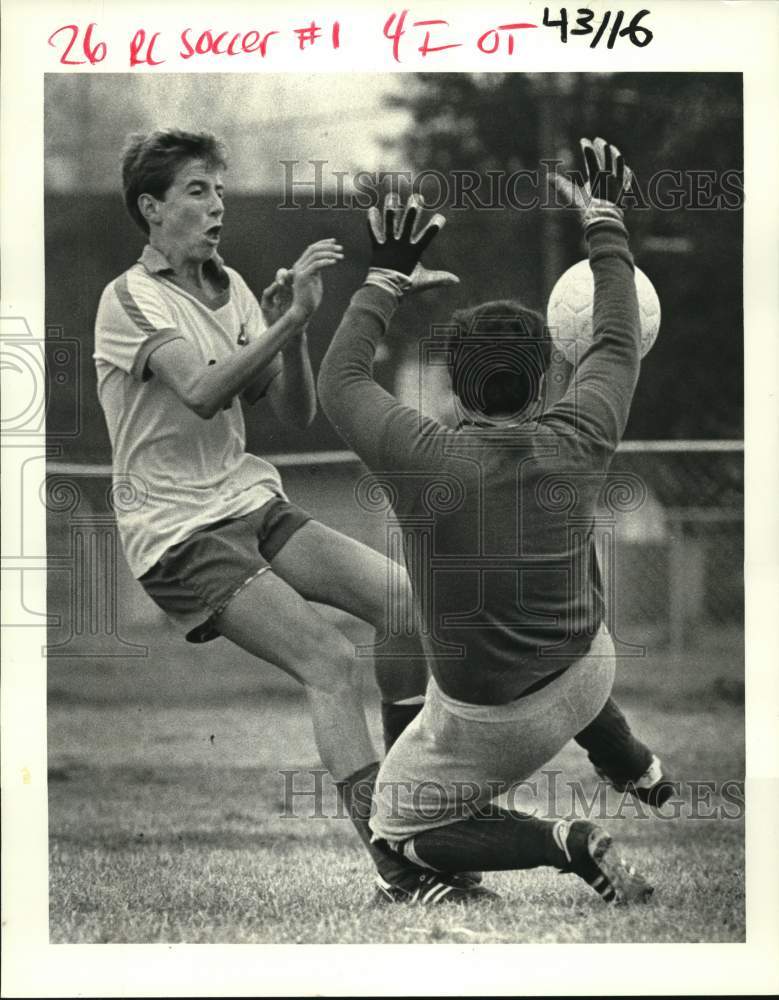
(637, 33)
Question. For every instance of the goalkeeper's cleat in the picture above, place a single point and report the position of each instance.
(592, 857)
(653, 787)
(431, 888)
(466, 878)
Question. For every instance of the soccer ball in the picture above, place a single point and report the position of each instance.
(569, 312)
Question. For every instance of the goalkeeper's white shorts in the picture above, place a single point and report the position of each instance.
(455, 757)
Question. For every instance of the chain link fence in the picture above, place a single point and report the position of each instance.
(674, 577)
(679, 563)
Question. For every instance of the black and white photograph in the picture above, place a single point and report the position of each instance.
(390, 435)
(241, 506)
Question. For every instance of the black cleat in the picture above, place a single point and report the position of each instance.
(594, 859)
(466, 878)
(431, 888)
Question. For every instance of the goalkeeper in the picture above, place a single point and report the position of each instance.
(509, 598)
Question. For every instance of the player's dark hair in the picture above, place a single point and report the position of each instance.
(499, 353)
(150, 163)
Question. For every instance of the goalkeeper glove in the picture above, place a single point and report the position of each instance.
(396, 247)
(608, 178)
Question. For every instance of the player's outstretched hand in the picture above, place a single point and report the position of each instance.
(607, 178)
(302, 283)
(398, 241)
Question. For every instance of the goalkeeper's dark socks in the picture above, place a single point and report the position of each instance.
(356, 795)
(396, 715)
(612, 747)
(501, 840)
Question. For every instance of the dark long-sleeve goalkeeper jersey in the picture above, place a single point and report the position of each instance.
(497, 522)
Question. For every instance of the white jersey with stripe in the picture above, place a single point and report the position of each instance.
(173, 471)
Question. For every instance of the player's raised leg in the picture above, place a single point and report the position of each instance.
(333, 569)
(328, 567)
(271, 620)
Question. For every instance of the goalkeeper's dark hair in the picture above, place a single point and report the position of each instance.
(151, 160)
(499, 353)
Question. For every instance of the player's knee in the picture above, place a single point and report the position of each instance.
(331, 665)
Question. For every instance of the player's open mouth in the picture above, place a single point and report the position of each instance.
(212, 234)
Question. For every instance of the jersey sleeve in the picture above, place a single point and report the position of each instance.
(133, 319)
(254, 328)
(386, 435)
(597, 404)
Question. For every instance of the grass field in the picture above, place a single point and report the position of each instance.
(166, 815)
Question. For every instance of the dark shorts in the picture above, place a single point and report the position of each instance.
(200, 575)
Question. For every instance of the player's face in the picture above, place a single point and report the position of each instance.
(190, 215)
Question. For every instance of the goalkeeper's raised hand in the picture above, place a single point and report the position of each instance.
(398, 241)
(608, 177)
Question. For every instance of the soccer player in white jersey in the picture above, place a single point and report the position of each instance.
(179, 337)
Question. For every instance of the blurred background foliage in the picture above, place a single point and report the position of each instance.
(691, 384)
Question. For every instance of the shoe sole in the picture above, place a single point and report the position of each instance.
(615, 881)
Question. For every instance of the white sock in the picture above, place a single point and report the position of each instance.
(560, 833)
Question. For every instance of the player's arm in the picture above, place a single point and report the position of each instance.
(289, 382)
(597, 402)
(206, 389)
(292, 392)
(383, 432)
(276, 300)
